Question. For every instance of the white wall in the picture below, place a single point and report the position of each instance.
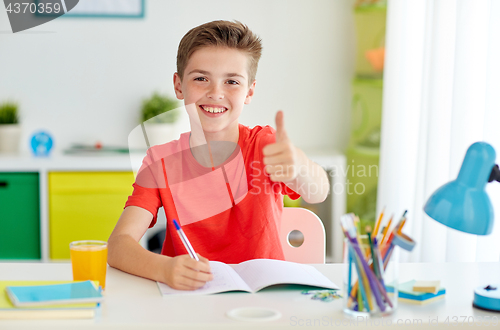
(83, 79)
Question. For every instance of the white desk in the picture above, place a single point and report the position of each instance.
(135, 303)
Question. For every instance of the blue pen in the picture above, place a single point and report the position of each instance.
(185, 241)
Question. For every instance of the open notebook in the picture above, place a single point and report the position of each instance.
(254, 275)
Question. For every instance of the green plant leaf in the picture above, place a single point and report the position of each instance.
(9, 113)
(159, 107)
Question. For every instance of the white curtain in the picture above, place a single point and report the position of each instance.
(441, 94)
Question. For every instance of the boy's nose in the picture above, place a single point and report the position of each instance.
(215, 93)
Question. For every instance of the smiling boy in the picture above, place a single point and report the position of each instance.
(224, 182)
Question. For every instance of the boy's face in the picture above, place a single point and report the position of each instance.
(216, 82)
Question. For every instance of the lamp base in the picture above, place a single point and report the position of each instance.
(487, 298)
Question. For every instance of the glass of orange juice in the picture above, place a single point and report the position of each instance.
(89, 260)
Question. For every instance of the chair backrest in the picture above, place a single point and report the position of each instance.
(312, 250)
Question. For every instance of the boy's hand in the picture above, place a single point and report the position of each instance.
(282, 158)
(185, 273)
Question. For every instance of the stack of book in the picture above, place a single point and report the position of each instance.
(419, 293)
(24, 300)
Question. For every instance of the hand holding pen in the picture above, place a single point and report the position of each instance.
(189, 271)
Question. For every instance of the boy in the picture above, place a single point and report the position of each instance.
(224, 182)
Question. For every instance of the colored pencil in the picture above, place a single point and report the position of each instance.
(354, 293)
(363, 287)
(374, 284)
(364, 284)
(401, 226)
(350, 271)
(362, 295)
(379, 260)
(367, 279)
(374, 258)
(386, 229)
(377, 224)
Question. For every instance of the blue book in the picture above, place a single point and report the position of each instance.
(54, 294)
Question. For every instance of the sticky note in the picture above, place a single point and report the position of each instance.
(426, 286)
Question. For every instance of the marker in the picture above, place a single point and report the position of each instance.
(185, 241)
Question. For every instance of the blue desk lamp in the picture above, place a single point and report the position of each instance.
(463, 204)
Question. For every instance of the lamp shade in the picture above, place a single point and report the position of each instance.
(463, 204)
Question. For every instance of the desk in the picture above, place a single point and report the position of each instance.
(135, 303)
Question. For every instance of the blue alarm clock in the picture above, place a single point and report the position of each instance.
(41, 144)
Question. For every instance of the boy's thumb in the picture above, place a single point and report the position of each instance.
(280, 127)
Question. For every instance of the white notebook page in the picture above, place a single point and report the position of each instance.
(260, 273)
(225, 279)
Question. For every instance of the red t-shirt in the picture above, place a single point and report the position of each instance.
(230, 212)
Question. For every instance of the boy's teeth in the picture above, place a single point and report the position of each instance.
(213, 110)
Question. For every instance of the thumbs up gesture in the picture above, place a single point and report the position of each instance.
(282, 158)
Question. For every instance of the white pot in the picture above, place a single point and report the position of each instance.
(10, 135)
(160, 133)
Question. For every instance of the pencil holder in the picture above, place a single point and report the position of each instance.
(370, 277)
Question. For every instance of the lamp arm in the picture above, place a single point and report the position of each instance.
(495, 174)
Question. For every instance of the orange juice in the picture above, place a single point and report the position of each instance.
(88, 260)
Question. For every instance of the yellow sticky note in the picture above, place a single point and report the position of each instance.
(427, 286)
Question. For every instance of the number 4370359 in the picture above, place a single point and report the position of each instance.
(27, 7)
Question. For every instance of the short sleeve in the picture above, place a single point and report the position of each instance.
(146, 192)
(285, 190)
(146, 198)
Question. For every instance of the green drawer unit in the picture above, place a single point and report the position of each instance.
(19, 216)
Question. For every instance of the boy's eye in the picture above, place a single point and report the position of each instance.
(233, 82)
(200, 78)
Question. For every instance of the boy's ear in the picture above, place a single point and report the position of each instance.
(178, 86)
(250, 93)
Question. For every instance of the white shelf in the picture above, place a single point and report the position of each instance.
(27, 163)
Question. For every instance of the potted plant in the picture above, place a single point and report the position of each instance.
(10, 130)
(159, 116)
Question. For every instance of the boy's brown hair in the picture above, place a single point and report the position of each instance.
(221, 34)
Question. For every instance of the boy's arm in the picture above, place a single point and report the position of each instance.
(125, 253)
(288, 164)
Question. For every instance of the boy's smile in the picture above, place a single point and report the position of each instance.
(216, 81)
(213, 110)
